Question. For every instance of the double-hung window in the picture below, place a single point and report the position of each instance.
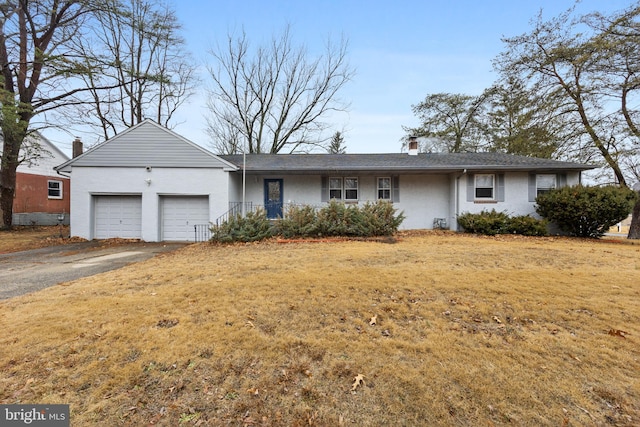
(484, 186)
(384, 188)
(545, 183)
(343, 189)
(54, 189)
(335, 188)
(351, 189)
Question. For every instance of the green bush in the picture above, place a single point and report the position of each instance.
(340, 219)
(335, 219)
(586, 211)
(527, 225)
(492, 222)
(380, 219)
(485, 222)
(253, 227)
(299, 221)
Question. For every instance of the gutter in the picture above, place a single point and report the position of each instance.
(62, 174)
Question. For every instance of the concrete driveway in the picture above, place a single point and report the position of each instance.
(29, 271)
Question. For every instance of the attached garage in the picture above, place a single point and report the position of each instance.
(180, 214)
(118, 216)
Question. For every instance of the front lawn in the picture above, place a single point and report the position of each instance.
(434, 329)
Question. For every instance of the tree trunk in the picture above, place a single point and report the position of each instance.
(7, 192)
(10, 161)
(634, 230)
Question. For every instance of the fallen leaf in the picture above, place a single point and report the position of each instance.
(618, 333)
(497, 319)
(358, 381)
(373, 321)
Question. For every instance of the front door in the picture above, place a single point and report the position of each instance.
(273, 198)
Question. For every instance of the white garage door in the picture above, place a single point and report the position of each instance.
(180, 214)
(118, 216)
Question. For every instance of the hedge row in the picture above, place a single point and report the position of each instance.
(336, 219)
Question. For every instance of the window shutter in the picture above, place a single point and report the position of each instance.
(561, 180)
(470, 188)
(500, 187)
(395, 189)
(324, 196)
(533, 191)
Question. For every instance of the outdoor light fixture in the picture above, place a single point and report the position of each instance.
(148, 181)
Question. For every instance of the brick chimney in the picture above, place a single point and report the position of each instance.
(413, 146)
(77, 147)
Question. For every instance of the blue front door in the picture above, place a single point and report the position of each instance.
(273, 198)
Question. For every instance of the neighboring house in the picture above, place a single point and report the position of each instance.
(42, 196)
(153, 184)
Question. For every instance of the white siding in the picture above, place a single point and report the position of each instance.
(422, 197)
(91, 182)
(149, 144)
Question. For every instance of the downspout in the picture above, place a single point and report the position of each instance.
(457, 196)
(244, 182)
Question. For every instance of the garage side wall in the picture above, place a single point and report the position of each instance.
(150, 185)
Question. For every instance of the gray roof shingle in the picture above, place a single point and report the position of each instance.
(399, 163)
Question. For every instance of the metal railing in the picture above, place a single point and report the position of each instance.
(235, 208)
(202, 232)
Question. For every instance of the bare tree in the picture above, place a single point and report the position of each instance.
(44, 68)
(273, 98)
(35, 64)
(144, 60)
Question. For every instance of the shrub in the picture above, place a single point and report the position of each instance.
(491, 223)
(253, 227)
(339, 219)
(298, 221)
(335, 219)
(527, 225)
(485, 222)
(586, 211)
(380, 218)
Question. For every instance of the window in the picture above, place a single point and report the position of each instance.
(384, 188)
(484, 186)
(54, 189)
(351, 188)
(545, 183)
(335, 188)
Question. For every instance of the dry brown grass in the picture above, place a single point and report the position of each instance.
(24, 238)
(469, 331)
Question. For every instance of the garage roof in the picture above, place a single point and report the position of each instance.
(147, 144)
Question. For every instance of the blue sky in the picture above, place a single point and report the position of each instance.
(401, 50)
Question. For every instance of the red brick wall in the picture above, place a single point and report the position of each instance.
(32, 194)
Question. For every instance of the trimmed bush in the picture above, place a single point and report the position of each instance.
(380, 219)
(586, 211)
(299, 221)
(335, 219)
(253, 227)
(492, 222)
(485, 222)
(527, 225)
